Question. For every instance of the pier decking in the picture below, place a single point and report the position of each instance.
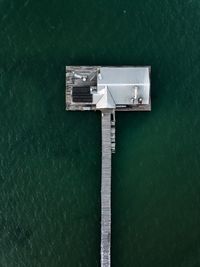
(106, 189)
(107, 89)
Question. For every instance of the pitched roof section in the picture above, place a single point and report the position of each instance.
(106, 101)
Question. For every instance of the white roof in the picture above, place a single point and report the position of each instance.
(121, 83)
(106, 101)
(124, 76)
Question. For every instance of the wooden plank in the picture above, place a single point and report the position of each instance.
(106, 191)
(73, 81)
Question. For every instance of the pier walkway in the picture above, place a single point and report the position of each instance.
(106, 190)
(107, 89)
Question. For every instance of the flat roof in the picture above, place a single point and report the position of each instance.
(124, 76)
(125, 85)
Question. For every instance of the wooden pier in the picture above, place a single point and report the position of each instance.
(107, 89)
(106, 190)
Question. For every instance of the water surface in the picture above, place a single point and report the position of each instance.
(50, 159)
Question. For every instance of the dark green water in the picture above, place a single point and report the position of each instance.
(50, 159)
